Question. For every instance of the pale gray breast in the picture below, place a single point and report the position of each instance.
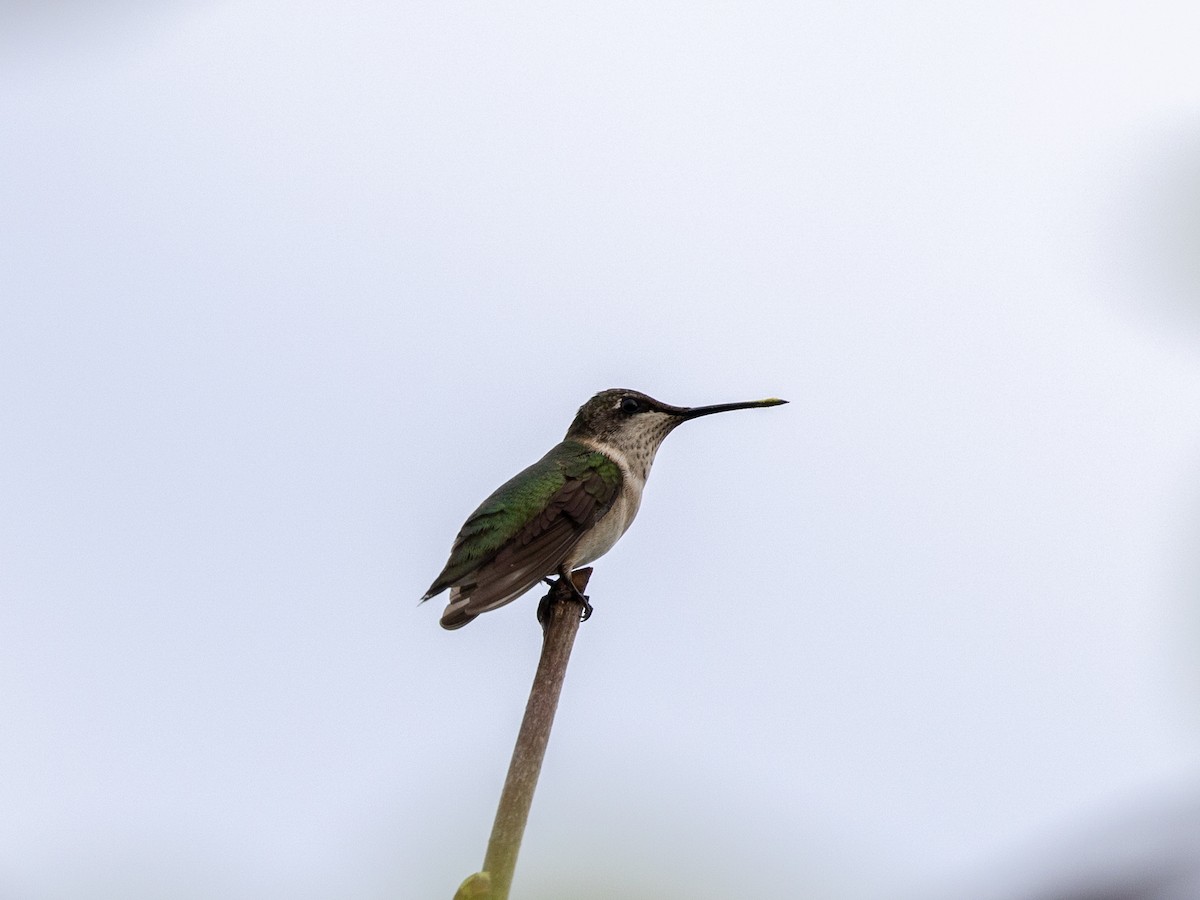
(605, 533)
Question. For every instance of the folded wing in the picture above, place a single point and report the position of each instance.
(526, 530)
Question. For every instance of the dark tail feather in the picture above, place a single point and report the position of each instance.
(456, 615)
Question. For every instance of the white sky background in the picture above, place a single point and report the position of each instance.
(287, 288)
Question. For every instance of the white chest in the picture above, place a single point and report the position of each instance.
(605, 533)
(600, 539)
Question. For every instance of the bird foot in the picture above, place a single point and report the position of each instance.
(562, 588)
(578, 594)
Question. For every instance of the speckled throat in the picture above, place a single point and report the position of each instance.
(634, 446)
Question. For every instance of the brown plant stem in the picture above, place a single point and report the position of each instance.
(560, 614)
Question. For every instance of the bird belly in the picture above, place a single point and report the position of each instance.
(601, 537)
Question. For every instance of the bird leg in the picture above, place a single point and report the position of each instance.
(565, 576)
(563, 588)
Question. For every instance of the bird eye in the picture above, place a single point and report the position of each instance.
(630, 405)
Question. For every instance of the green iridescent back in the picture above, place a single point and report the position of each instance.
(513, 511)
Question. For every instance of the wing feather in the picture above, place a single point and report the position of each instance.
(583, 486)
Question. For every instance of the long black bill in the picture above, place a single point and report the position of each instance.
(695, 412)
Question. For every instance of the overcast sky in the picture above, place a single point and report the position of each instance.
(287, 288)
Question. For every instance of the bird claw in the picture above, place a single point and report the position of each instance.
(579, 595)
(544, 606)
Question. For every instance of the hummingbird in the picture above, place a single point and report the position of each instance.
(566, 510)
